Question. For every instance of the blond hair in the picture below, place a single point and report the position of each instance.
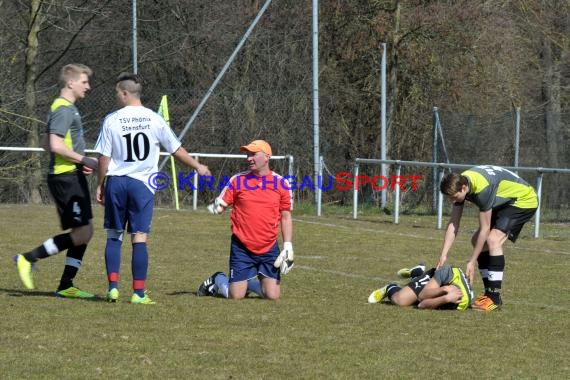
(72, 71)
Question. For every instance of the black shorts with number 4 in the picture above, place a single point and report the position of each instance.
(72, 199)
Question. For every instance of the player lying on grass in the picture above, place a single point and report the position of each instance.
(444, 288)
(218, 285)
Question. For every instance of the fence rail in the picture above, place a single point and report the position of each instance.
(195, 179)
(439, 168)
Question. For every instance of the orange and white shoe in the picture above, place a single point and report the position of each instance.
(484, 303)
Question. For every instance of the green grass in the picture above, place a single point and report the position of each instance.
(321, 328)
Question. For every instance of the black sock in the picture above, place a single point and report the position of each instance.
(483, 263)
(391, 289)
(50, 247)
(496, 269)
(416, 272)
(72, 265)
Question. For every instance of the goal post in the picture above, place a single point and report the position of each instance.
(195, 179)
(288, 159)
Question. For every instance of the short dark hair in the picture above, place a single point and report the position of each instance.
(452, 183)
(129, 76)
(130, 82)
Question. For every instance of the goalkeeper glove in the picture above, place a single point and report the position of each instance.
(217, 207)
(285, 260)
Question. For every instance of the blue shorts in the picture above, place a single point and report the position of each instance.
(128, 203)
(245, 265)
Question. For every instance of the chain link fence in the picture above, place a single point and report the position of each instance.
(491, 140)
(233, 117)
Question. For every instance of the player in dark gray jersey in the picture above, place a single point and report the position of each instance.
(67, 184)
(506, 202)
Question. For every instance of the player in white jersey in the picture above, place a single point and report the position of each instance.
(129, 144)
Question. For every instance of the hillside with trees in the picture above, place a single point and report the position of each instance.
(477, 61)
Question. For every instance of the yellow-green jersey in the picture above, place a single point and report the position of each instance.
(492, 187)
(448, 275)
(64, 120)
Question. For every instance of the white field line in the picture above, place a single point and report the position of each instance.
(422, 237)
(339, 273)
(382, 280)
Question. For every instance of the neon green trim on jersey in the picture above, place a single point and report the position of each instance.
(461, 282)
(524, 195)
(58, 103)
(61, 165)
(477, 180)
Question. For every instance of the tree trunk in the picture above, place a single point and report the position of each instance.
(34, 176)
(392, 96)
(551, 97)
(552, 109)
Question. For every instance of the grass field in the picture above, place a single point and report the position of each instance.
(322, 328)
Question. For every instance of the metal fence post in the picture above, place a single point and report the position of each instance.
(539, 194)
(434, 159)
(397, 197)
(355, 192)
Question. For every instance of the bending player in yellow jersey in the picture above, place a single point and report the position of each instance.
(506, 202)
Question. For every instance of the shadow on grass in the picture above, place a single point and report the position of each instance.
(32, 293)
(444, 308)
(183, 293)
(194, 293)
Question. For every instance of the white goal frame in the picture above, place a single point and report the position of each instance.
(196, 156)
